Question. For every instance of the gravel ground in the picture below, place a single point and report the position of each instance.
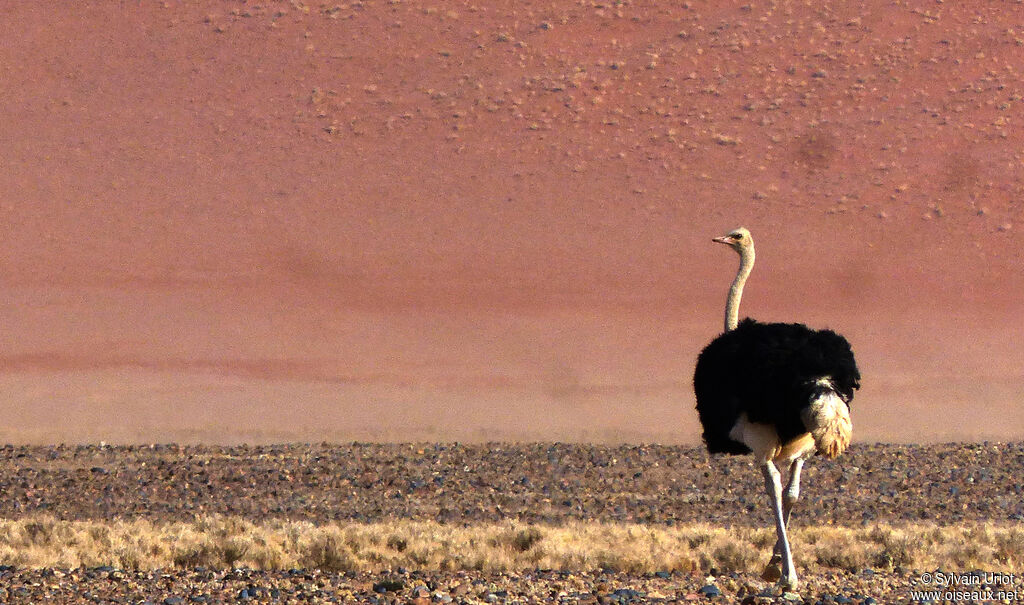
(534, 483)
(463, 483)
(247, 586)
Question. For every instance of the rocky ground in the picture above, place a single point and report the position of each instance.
(533, 482)
(300, 586)
(464, 483)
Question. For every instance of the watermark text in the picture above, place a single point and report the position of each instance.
(968, 586)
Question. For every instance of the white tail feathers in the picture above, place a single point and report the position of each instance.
(828, 419)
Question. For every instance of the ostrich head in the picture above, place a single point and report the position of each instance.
(738, 239)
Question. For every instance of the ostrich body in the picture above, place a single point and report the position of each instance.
(779, 391)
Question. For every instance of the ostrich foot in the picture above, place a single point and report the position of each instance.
(773, 571)
(788, 584)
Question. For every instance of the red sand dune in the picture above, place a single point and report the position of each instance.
(447, 220)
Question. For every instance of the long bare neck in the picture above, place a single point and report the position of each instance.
(732, 305)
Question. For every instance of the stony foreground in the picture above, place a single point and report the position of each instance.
(547, 483)
(463, 484)
(246, 586)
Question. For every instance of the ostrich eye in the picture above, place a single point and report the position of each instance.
(738, 235)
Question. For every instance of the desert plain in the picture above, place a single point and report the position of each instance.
(486, 226)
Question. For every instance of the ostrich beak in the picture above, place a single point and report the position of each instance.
(722, 239)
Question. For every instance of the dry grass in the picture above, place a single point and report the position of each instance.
(225, 542)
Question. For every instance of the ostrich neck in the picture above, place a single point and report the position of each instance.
(732, 306)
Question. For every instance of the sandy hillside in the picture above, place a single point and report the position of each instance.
(276, 221)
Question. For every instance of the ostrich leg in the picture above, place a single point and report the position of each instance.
(773, 571)
(773, 485)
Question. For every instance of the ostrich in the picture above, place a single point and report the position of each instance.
(779, 391)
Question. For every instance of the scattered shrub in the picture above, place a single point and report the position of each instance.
(226, 542)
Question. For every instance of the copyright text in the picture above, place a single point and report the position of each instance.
(968, 586)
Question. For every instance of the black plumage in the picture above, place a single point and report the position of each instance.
(769, 372)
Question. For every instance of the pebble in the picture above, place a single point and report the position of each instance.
(389, 586)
